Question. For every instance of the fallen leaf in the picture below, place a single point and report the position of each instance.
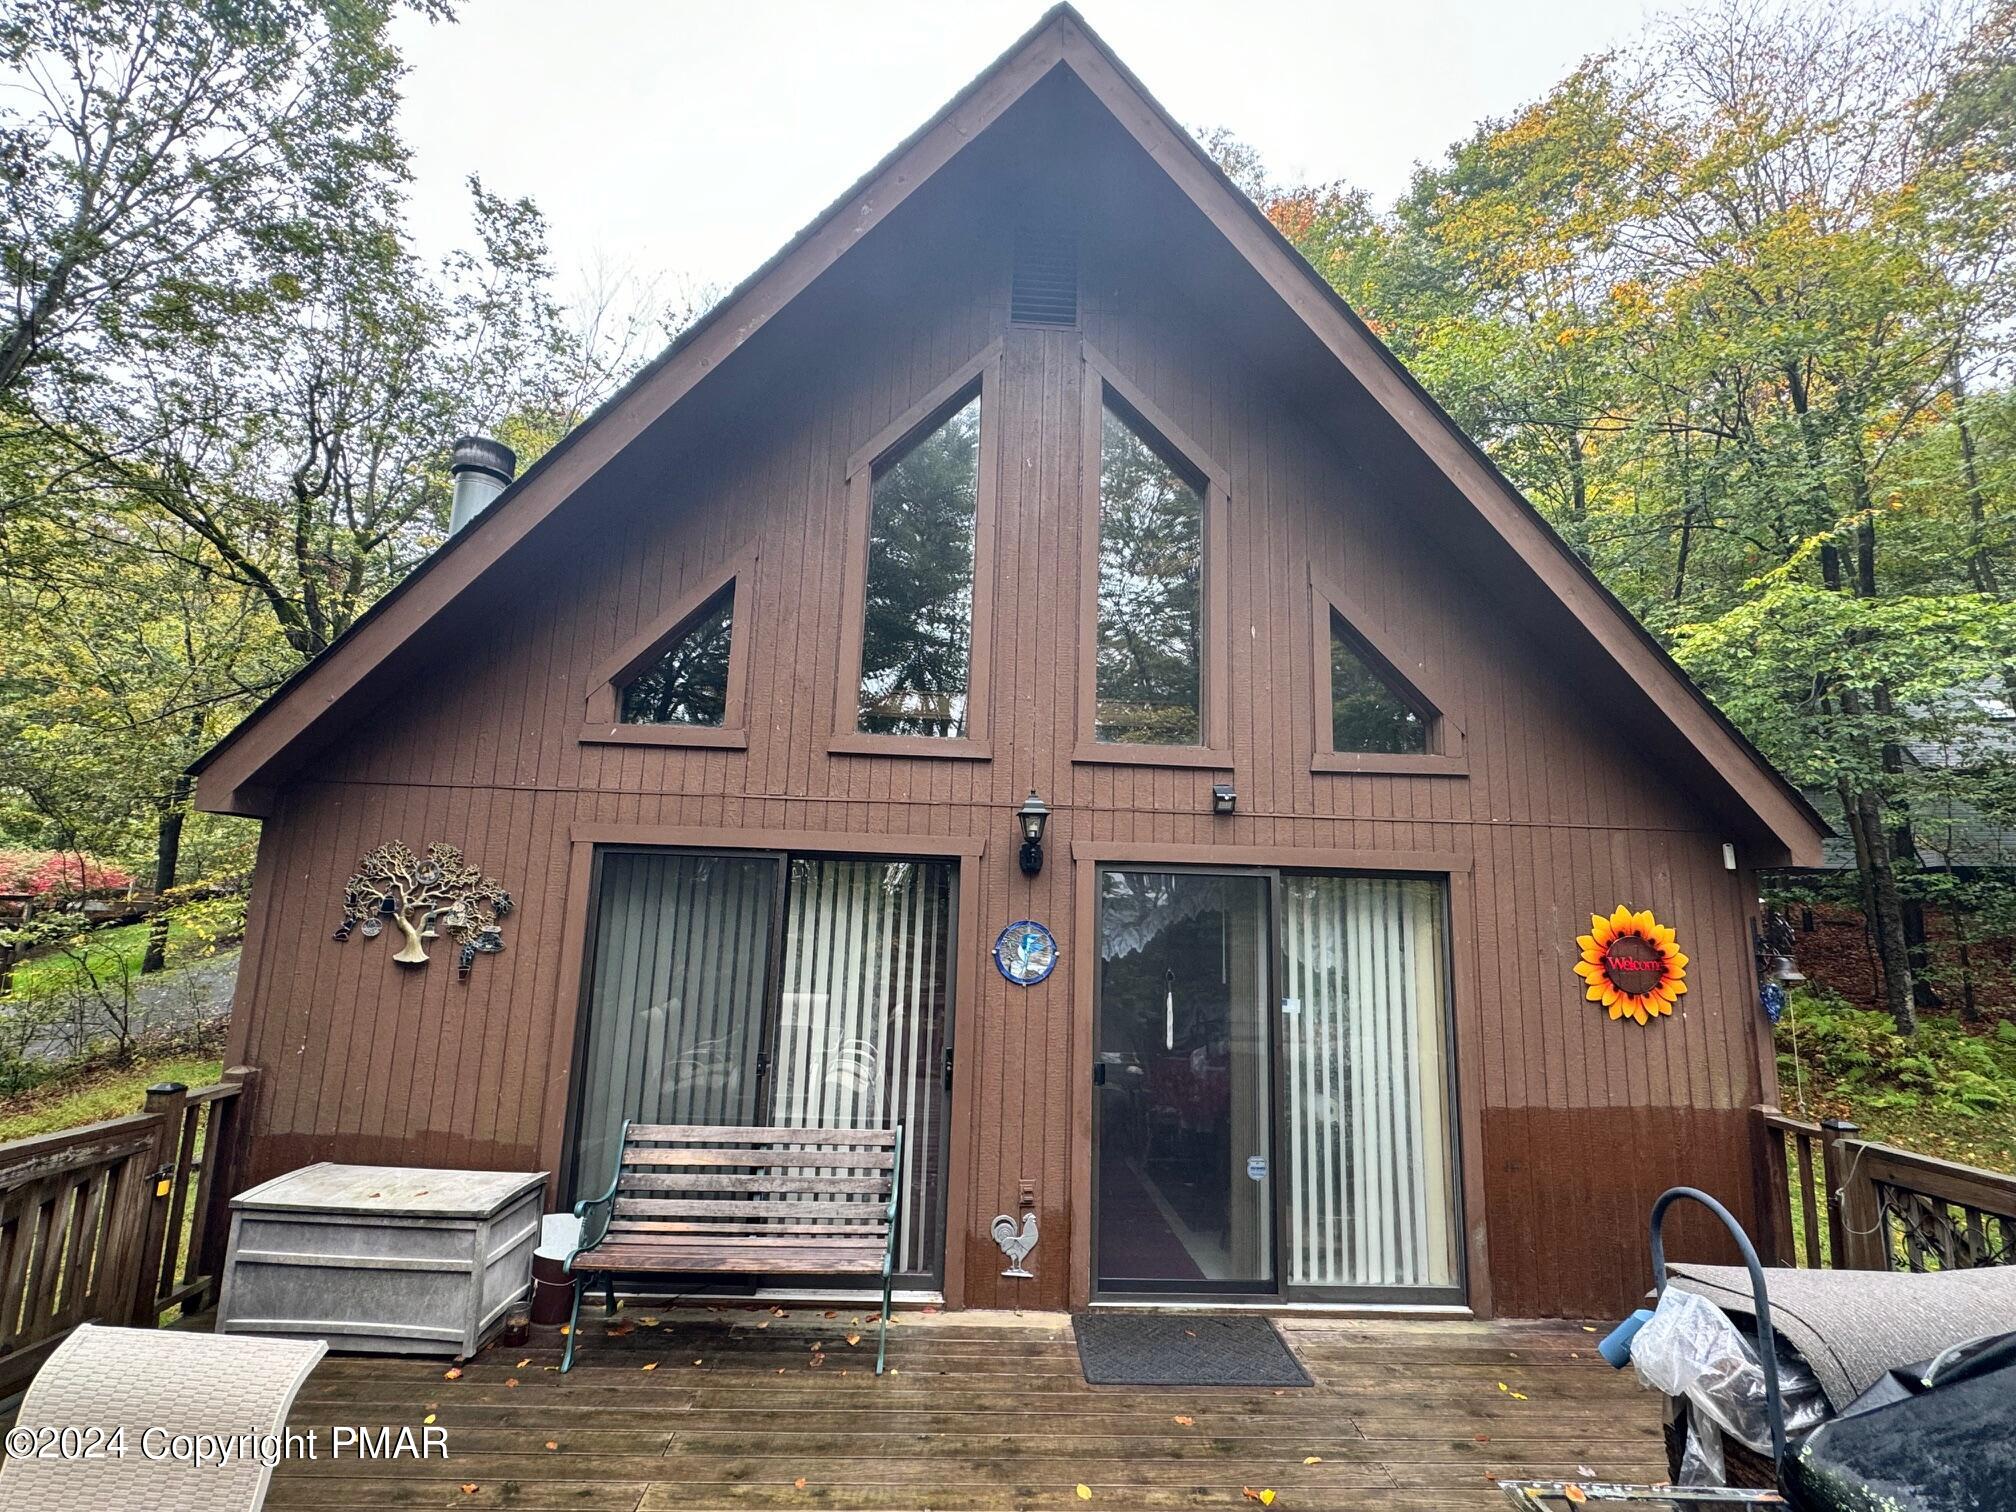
(1575, 1493)
(647, 1322)
(799, 1483)
(831, 1315)
(511, 1382)
(1084, 1492)
(1483, 1438)
(764, 1324)
(1519, 1396)
(1314, 1459)
(1184, 1422)
(470, 1488)
(778, 1312)
(1585, 1470)
(654, 1365)
(1587, 1329)
(853, 1338)
(552, 1443)
(428, 1419)
(1265, 1498)
(566, 1329)
(1503, 1387)
(524, 1362)
(452, 1373)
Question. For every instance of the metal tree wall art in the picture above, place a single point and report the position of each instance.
(425, 897)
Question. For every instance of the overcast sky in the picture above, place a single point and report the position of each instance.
(690, 140)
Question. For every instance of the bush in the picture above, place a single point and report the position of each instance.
(42, 873)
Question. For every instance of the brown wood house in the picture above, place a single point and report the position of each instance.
(1038, 463)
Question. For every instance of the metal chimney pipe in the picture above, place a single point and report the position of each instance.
(482, 469)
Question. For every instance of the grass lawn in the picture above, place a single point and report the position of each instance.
(47, 971)
(110, 1092)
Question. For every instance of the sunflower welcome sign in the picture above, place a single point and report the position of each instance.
(1632, 965)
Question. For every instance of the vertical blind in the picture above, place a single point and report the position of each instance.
(679, 1012)
(675, 1002)
(1372, 1195)
(861, 1032)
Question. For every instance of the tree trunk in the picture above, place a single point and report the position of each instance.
(1884, 903)
(167, 857)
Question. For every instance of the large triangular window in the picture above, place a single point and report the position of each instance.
(687, 682)
(1378, 709)
(679, 680)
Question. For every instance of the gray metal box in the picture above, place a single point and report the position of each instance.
(384, 1259)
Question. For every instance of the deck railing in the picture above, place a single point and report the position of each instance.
(117, 1222)
(1838, 1201)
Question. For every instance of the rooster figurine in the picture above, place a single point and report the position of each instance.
(1016, 1243)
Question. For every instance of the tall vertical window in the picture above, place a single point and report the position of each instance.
(1151, 579)
(917, 626)
(688, 683)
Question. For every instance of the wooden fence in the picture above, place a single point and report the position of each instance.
(1838, 1201)
(117, 1222)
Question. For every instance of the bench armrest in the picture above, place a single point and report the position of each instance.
(587, 1210)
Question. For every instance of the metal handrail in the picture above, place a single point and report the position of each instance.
(1767, 1346)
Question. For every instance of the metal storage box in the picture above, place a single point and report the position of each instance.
(381, 1258)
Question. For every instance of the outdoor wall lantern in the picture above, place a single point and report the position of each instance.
(1223, 798)
(1033, 815)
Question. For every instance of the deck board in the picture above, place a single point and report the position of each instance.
(980, 1412)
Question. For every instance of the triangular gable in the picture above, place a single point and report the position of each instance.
(239, 774)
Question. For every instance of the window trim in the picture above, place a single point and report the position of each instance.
(602, 724)
(981, 374)
(1445, 755)
(1101, 380)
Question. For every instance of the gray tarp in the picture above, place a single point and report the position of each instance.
(1852, 1326)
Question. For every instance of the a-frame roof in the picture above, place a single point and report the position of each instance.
(241, 772)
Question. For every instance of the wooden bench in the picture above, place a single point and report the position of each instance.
(700, 1200)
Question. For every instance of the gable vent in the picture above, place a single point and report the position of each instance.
(1044, 290)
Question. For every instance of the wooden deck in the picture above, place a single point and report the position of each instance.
(749, 1408)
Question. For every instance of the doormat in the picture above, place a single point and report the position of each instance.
(1183, 1349)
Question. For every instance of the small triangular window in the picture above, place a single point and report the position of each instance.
(1368, 710)
(687, 682)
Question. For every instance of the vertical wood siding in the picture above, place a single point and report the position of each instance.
(1570, 1124)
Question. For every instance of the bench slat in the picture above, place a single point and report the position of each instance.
(747, 1209)
(706, 1182)
(720, 1227)
(869, 1160)
(767, 1135)
(733, 1256)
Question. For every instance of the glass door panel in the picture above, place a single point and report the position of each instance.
(1184, 1083)
(675, 1002)
(860, 1039)
(1371, 1190)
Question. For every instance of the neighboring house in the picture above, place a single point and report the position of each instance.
(1039, 462)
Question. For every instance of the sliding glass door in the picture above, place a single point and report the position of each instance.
(1272, 1078)
(1183, 1083)
(760, 988)
(1369, 1178)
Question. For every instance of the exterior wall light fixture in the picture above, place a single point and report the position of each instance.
(1032, 816)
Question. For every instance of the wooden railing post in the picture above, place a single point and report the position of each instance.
(230, 1133)
(166, 1102)
(1855, 1238)
(1775, 1228)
